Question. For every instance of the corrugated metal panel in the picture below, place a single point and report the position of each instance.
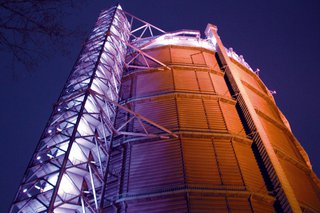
(113, 180)
(280, 140)
(211, 60)
(152, 166)
(172, 204)
(208, 204)
(191, 113)
(200, 163)
(182, 55)
(302, 185)
(232, 118)
(148, 83)
(239, 204)
(185, 80)
(160, 111)
(214, 115)
(122, 117)
(155, 166)
(263, 105)
(204, 81)
(220, 85)
(126, 153)
(262, 207)
(198, 58)
(227, 163)
(162, 54)
(249, 168)
(125, 92)
(248, 77)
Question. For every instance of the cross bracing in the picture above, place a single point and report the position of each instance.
(155, 120)
(68, 168)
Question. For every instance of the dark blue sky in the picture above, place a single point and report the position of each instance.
(281, 38)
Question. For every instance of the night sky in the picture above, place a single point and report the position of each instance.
(281, 38)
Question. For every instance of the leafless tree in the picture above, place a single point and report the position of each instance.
(31, 29)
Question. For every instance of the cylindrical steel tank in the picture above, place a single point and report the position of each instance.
(211, 167)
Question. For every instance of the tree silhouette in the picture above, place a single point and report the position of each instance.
(32, 29)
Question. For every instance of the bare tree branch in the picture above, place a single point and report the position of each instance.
(32, 29)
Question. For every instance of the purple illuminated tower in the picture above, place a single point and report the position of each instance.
(151, 121)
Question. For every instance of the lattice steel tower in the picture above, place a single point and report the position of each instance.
(151, 121)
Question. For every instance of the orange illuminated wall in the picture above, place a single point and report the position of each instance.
(211, 167)
(291, 155)
(234, 150)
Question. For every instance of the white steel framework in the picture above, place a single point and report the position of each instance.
(69, 169)
(66, 172)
